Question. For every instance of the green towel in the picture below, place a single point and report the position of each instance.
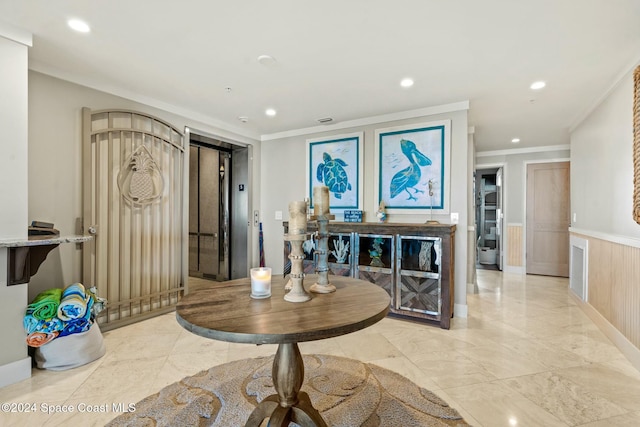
(45, 304)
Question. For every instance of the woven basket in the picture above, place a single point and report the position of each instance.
(636, 145)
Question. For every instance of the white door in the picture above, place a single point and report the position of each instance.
(548, 219)
(133, 204)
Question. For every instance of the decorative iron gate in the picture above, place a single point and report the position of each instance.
(133, 191)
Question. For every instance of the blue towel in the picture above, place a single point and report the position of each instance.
(75, 326)
(30, 323)
(47, 326)
(73, 303)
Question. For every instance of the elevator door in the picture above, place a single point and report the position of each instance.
(208, 213)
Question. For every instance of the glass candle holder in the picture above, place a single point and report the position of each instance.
(261, 282)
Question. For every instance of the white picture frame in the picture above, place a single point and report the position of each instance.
(407, 160)
(337, 162)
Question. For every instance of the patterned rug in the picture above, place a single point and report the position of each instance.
(347, 393)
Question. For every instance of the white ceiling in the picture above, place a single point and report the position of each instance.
(344, 58)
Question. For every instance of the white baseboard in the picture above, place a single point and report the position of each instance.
(460, 310)
(629, 350)
(14, 372)
(514, 270)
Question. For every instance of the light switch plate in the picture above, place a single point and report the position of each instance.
(256, 218)
(279, 215)
(454, 217)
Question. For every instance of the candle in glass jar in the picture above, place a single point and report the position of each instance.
(261, 282)
(320, 200)
(297, 217)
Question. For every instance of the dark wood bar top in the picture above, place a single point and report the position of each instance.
(225, 311)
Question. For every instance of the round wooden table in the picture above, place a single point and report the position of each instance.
(225, 311)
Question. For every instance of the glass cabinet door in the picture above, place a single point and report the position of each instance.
(418, 284)
(374, 259)
(340, 254)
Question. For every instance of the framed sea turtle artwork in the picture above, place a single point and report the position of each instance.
(412, 168)
(336, 162)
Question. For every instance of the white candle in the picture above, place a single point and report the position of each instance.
(320, 200)
(261, 282)
(297, 217)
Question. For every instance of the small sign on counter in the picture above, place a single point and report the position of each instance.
(352, 216)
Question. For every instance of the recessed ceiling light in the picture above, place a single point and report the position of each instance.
(270, 112)
(537, 85)
(406, 82)
(266, 60)
(515, 140)
(78, 25)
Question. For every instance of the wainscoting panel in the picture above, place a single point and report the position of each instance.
(614, 285)
(514, 245)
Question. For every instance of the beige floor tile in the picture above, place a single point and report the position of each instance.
(178, 366)
(406, 368)
(367, 347)
(493, 404)
(563, 398)
(608, 382)
(630, 419)
(503, 362)
(327, 346)
(525, 356)
(117, 376)
(451, 369)
(546, 355)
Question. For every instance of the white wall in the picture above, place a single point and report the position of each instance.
(515, 162)
(55, 167)
(602, 166)
(14, 362)
(602, 200)
(283, 180)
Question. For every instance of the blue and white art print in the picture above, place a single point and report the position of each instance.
(336, 162)
(412, 168)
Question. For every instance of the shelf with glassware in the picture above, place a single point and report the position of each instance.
(339, 259)
(487, 219)
(414, 263)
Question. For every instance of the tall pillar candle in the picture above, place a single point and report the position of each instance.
(297, 217)
(320, 200)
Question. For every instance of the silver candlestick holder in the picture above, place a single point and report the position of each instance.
(322, 286)
(296, 277)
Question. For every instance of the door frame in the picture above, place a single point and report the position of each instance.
(503, 241)
(188, 131)
(525, 165)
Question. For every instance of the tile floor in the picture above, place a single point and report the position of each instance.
(525, 356)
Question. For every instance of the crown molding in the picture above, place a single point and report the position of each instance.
(599, 100)
(428, 111)
(525, 150)
(234, 132)
(16, 34)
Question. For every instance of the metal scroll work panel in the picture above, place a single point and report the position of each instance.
(133, 203)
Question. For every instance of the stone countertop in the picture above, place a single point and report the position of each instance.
(42, 241)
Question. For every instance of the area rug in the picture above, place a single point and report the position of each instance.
(347, 393)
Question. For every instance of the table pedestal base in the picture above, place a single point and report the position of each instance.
(289, 404)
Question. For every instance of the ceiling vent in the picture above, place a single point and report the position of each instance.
(325, 120)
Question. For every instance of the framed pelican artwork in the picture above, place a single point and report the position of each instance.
(336, 162)
(412, 164)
